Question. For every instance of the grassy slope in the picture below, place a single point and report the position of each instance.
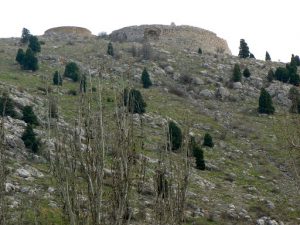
(259, 154)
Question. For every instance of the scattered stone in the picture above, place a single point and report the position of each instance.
(23, 173)
(169, 69)
(206, 93)
(222, 93)
(237, 85)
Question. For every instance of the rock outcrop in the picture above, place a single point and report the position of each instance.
(185, 37)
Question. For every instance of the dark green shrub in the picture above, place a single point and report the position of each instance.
(246, 73)
(29, 116)
(34, 44)
(199, 51)
(244, 49)
(282, 74)
(208, 140)
(25, 36)
(198, 154)
(30, 140)
(110, 49)
(30, 61)
(237, 75)
(265, 104)
(294, 96)
(20, 56)
(57, 79)
(175, 136)
(268, 57)
(7, 106)
(134, 101)
(72, 71)
(146, 81)
(251, 56)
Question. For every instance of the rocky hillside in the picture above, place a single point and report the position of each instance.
(251, 174)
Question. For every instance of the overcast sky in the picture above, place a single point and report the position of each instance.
(266, 25)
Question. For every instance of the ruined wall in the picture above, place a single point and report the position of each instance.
(68, 30)
(184, 37)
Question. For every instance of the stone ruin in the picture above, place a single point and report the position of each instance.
(69, 31)
(184, 37)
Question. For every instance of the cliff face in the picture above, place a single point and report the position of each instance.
(184, 37)
(68, 30)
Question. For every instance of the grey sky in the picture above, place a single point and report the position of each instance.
(266, 25)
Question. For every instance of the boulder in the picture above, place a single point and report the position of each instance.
(23, 173)
(206, 93)
(222, 93)
(237, 85)
(169, 69)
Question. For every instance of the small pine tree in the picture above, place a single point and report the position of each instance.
(198, 154)
(30, 61)
(110, 49)
(208, 140)
(246, 73)
(251, 56)
(29, 116)
(282, 74)
(237, 75)
(30, 140)
(199, 51)
(72, 71)
(34, 44)
(175, 136)
(244, 49)
(57, 79)
(294, 79)
(25, 36)
(134, 101)
(265, 104)
(270, 75)
(7, 106)
(20, 56)
(146, 81)
(268, 57)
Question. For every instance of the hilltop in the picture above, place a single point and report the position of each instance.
(251, 172)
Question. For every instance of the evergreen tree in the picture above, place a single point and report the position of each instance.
(198, 154)
(208, 140)
(270, 75)
(251, 56)
(199, 51)
(57, 79)
(34, 44)
(30, 61)
(175, 136)
(110, 49)
(25, 36)
(297, 60)
(29, 116)
(294, 79)
(237, 75)
(30, 140)
(20, 56)
(134, 101)
(146, 81)
(268, 57)
(246, 73)
(282, 74)
(244, 49)
(7, 106)
(265, 104)
(72, 71)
